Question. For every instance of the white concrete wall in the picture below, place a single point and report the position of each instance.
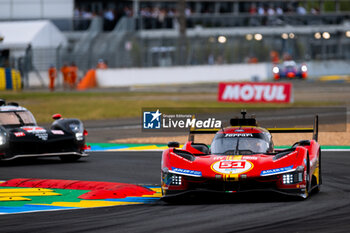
(198, 74)
(318, 68)
(34, 80)
(180, 75)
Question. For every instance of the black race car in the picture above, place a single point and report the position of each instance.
(20, 136)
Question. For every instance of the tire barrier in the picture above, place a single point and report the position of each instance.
(10, 79)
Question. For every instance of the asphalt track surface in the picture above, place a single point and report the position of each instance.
(104, 131)
(328, 211)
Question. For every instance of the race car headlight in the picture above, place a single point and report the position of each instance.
(303, 68)
(2, 139)
(292, 178)
(275, 70)
(176, 180)
(78, 129)
(75, 127)
(79, 136)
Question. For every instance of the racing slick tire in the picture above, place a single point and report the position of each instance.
(318, 182)
(70, 158)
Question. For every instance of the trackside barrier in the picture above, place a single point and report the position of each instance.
(10, 79)
(89, 80)
(180, 75)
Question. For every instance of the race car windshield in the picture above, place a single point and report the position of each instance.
(224, 145)
(16, 118)
(27, 118)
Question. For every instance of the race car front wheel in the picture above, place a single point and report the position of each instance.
(307, 179)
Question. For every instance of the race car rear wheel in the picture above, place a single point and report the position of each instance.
(319, 175)
(70, 158)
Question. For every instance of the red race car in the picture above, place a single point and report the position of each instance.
(242, 158)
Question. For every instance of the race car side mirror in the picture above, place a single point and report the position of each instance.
(304, 143)
(56, 116)
(173, 144)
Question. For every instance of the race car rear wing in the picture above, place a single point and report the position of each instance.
(201, 131)
(313, 130)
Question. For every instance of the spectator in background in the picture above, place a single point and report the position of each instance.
(287, 57)
(270, 11)
(301, 10)
(211, 60)
(52, 76)
(66, 75)
(314, 11)
(261, 10)
(172, 12)
(86, 14)
(77, 12)
(109, 18)
(279, 11)
(252, 9)
(73, 69)
(188, 11)
(109, 15)
(101, 64)
(127, 11)
(253, 60)
(161, 18)
(275, 59)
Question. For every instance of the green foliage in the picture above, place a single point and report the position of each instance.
(329, 6)
(345, 6)
(104, 105)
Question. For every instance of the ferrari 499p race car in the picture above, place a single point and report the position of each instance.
(20, 136)
(289, 70)
(242, 158)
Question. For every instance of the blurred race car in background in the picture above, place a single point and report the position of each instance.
(21, 137)
(289, 70)
(241, 159)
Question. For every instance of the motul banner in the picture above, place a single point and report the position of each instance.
(255, 92)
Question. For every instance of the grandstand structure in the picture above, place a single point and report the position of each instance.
(146, 33)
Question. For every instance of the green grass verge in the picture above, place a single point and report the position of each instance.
(104, 105)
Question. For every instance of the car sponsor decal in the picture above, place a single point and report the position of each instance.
(255, 92)
(219, 157)
(250, 157)
(19, 134)
(234, 135)
(232, 166)
(33, 129)
(276, 171)
(58, 132)
(37, 131)
(186, 171)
